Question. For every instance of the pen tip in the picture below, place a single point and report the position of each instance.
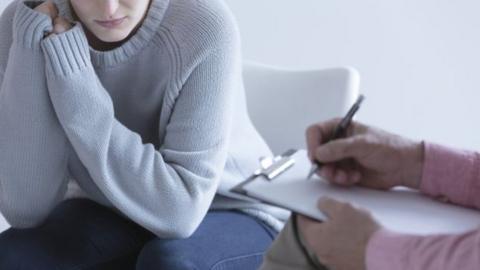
(361, 98)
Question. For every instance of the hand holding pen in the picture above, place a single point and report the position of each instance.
(340, 131)
(364, 155)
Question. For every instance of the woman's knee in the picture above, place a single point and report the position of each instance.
(169, 254)
(224, 240)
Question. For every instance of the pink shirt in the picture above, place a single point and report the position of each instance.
(455, 175)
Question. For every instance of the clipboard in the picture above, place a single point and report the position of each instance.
(282, 182)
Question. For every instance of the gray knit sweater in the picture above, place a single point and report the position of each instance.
(157, 129)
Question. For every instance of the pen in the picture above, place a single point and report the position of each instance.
(340, 130)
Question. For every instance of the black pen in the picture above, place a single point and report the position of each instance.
(339, 131)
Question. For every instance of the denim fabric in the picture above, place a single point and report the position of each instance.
(225, 240)
(79, 234)
(82, 235)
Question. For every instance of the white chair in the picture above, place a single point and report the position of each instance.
(283, 103)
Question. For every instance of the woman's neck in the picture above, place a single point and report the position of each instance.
(101, 45)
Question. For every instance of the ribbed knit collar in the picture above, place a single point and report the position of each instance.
(132, 46)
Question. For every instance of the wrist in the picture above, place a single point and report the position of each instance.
(71, 44)
(29, 26)
(414, 165)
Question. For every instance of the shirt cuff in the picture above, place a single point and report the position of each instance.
(388, 250)
(67, 53)
(449, 173)
(30, 25)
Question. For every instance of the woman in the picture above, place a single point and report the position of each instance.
(135, 113)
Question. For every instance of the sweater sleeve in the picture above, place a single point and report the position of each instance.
(32, 142)
(168, 190)
(452, 174)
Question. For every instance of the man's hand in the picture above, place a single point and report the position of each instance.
(340, 242)
(60, 24)
(366, 156)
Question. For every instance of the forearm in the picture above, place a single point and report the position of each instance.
(33, 146)
(387, 250)
(452, 174)
(166, 190)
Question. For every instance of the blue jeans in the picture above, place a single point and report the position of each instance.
(80, 234)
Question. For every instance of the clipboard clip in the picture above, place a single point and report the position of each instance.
(270, 168)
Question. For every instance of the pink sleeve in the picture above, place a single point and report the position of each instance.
(453, 174)
(449, 173)
(388, 250)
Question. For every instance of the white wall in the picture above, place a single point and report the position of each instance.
(419, 60)
(3, 4)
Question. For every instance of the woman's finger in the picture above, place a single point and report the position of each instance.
(48, 8)
(61, 25)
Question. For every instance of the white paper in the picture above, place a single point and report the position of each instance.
(401, 209)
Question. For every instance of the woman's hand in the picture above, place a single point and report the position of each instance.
(366, 156)
(49, 8)
(341, 241)
(60, 24)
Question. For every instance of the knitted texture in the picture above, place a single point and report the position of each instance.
(156, 128)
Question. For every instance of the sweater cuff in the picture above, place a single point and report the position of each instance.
(30, 25)
(67, 53)
(388, 250)
(448, 173)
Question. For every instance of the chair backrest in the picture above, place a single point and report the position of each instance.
(283, 103)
